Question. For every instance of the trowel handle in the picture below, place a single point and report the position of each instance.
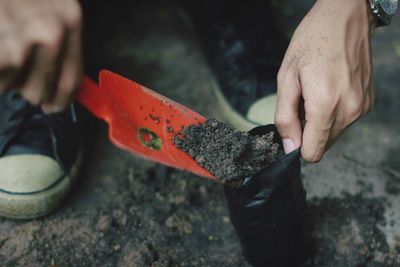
(94, 99)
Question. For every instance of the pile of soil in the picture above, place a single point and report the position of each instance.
(227, 153)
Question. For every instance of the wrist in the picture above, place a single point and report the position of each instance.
(356, 12)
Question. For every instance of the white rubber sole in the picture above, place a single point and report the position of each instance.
(260, 113)
(40, 203)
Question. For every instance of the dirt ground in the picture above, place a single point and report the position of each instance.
(126, 211)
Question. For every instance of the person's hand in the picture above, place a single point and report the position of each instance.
(40, 50)
(325, 80)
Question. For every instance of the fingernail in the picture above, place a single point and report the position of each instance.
(288, 145)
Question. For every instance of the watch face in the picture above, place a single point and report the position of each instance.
(389, 6)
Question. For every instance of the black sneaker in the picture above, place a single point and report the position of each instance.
(244, 50)
(39, 157)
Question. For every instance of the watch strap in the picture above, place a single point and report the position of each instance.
(383, 10)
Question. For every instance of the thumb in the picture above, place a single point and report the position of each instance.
(286, 115)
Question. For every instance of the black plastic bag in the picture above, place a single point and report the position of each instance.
(268, 212)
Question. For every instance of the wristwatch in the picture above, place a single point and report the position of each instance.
(383, 10)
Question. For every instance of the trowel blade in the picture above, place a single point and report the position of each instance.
(141, 120)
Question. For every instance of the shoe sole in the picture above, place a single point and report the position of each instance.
(36, 205)
(227, 112)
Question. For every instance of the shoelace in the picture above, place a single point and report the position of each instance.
(22, 122)
(21, 115)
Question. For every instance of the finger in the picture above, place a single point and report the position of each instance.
(16, 52)
(41, 79)
(316, 133)
(11, 61)
(349, 114)
(7, 76)
(315, 139)
(336, 131)
(71, 70)
(370, 99)
(286, 116)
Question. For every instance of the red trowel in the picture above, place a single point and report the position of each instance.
(141, 120)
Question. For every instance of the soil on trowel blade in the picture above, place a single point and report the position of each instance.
(228, 154)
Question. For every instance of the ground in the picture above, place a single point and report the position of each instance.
(127, 211)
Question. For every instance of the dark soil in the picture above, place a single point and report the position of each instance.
(227, 153)
(349, 228)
